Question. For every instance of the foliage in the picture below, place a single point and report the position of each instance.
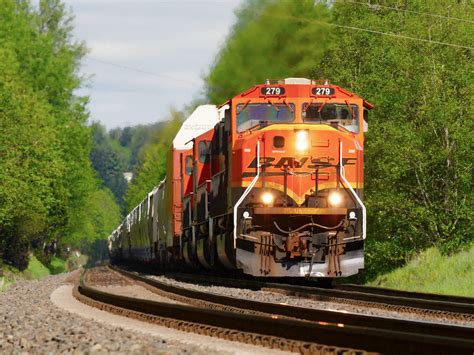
(418, 168)
(432, 272)
(271, 40)
(109, 162)
(117, 151)
(97, 218)
(35, 269)
(128, 142)
(47, 179)
(152, 167)
(57, 266)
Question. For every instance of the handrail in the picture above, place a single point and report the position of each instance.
(246, 192)
(359, 201)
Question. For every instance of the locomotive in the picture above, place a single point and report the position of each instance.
(269, 183)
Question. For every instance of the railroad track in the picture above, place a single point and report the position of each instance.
(448, 307)
(296, 327)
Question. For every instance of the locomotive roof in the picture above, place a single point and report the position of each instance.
(297, 87)
(201, 120)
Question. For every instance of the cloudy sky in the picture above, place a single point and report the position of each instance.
(148, 55)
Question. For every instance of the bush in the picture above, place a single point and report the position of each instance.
(57, 266)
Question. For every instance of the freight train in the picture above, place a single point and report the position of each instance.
(269, 183)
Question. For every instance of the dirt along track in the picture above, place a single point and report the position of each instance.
(275, 325)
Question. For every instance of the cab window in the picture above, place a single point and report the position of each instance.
(252, 115)
(204, 151)
(342, 114)
(188, 170)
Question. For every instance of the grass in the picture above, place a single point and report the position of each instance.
(432, 272)
(5, 282)
(35, 269)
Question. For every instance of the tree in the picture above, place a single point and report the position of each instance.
(418, 167)
(47, 178)
(271, 40)
(152, 167)
(109, 163)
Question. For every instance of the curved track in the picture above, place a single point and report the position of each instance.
(300, 324)
(452, 307)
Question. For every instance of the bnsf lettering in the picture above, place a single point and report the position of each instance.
(263, 162)
(292, 162)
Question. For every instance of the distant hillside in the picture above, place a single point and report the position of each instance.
(117, 152)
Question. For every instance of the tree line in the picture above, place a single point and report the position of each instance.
(49, 192)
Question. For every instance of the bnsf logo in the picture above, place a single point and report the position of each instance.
(301, 163)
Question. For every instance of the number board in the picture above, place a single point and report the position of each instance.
(323, 91)
(272, 91)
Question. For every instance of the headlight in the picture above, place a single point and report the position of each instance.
(267, 198)
(335, 198)
(302, 141)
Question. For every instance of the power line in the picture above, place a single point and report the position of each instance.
(390, 34)
(377, 6)
(137, 70)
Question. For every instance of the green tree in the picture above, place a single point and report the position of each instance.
(109, 162)
(47, 178)
(271, 40)
(418, 167)
(152, 167)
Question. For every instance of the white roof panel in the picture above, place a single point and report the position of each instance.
(201, 120)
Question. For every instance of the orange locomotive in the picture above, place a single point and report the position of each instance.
(270, 183)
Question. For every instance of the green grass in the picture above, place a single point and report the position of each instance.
(57, 266)
(5, 282)
(9, 276)
(434, 273)
(35, 269)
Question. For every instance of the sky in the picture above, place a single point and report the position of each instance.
(170, 45)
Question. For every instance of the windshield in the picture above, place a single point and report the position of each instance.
(342, 114)
(251, 115)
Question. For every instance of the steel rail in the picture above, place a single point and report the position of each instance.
(406, 294)
(423, 301)
(315, 315)
(336, 334)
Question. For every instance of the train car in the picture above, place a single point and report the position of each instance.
(269, 183)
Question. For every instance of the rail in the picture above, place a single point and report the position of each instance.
(380, 334)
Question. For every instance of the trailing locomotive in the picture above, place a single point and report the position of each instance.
(270, 182)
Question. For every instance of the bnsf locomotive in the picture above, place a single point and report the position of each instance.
(270, 182)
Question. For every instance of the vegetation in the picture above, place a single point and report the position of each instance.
(49, 192)
(36, 270)
(271, 40)
(118, 151)
(433, 272)
(61, 180)
(418, 164)
(57, 266)
(152, 157)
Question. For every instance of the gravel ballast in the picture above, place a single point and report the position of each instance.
(31, 323)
